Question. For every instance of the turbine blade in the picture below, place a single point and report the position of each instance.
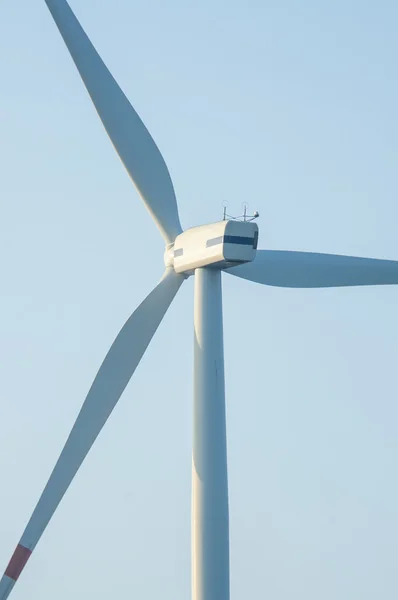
(310, 270)
(131, 139)
(112, 378)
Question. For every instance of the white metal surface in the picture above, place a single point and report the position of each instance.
(6, 585)
(128, 134)
(109, 384)
(218, 245)
(210, 520)
(313, 270)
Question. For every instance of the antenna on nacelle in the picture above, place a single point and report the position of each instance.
(225, 204)
(245, 217)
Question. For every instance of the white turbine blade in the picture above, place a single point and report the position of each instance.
(311, 270)
(127, 132)
(113, 376)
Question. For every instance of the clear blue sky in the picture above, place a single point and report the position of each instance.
(292, 107)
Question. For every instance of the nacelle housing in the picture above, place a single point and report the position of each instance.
(219, 245)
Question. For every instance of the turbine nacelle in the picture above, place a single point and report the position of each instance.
(218, 245)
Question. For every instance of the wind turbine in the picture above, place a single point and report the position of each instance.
(204, 251)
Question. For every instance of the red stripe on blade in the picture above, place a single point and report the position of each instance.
(17, 562)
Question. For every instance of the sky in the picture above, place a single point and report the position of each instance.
(290, 107)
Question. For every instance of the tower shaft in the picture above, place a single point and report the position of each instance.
(210, 520)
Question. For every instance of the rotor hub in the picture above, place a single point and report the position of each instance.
(168, 256)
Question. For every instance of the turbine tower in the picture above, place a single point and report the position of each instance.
(204, 252)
